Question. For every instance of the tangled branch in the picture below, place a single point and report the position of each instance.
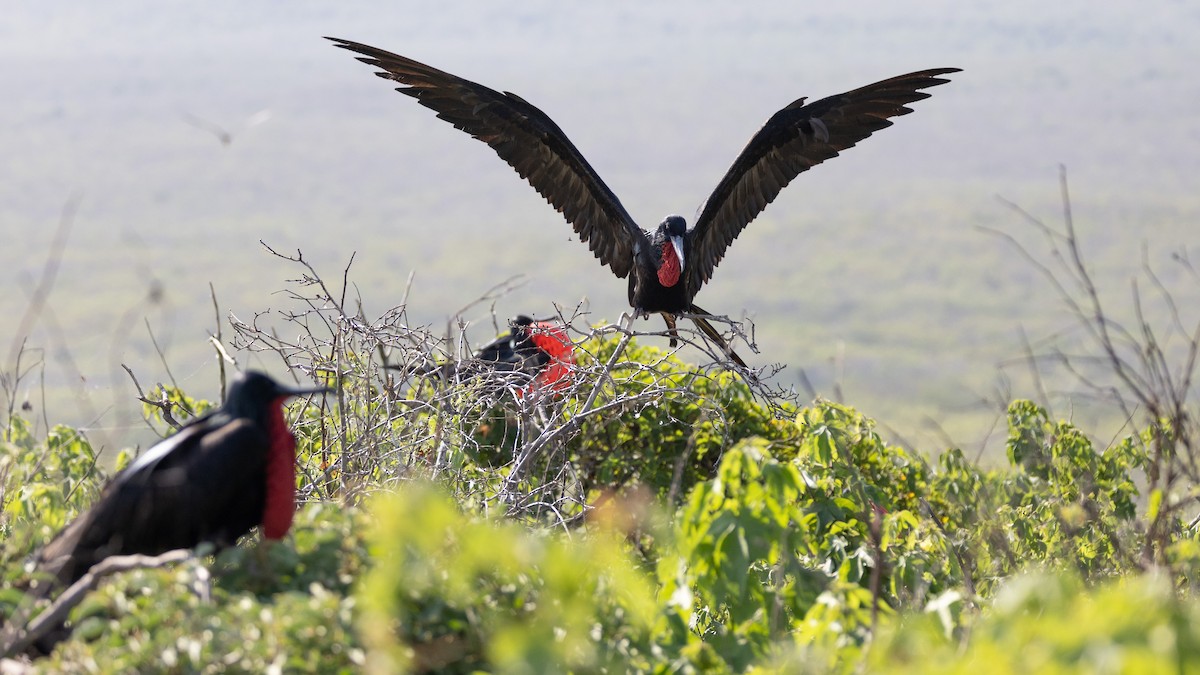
(401, 413)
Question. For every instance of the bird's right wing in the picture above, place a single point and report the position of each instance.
(795, 139)
(529, 141)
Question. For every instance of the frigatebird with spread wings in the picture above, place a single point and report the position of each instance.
(666, 267)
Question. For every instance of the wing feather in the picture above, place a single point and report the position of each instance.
(529, 141)
(794, 140)
(207, 487)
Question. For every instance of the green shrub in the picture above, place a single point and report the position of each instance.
(1056, 624)
(685, 526)
(458, 593)
(290, 610)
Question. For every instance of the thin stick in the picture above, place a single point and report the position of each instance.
(41, 292)
(58, 610)
(161, 357)
(222, 356)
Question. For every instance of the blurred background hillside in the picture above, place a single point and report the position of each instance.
(870, 274)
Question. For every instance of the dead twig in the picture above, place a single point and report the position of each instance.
(164, 404)
(54, 615)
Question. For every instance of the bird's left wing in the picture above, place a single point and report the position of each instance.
(794, 140)
(529, 141)
(498, 351)
(110, 526)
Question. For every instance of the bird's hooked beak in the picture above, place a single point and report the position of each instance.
(677, 243)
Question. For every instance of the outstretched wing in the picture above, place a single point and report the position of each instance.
(794, 140)
(529, 141)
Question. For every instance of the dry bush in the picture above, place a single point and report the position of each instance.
(498, 441)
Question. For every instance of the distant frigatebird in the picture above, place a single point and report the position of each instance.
(666, 267)
(539, 350)
(212, 481)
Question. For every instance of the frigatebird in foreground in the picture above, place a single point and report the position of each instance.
(666, 267)
(212, 481)
(539, 350)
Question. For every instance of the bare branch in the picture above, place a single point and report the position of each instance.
(53, 616)
(41, 292)
(164, 404)
(397, 418)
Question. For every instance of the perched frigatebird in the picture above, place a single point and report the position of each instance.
(212, 481)
(540, 350)
(666, 267)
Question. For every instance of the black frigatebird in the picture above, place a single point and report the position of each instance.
(540, 350)
(212, 481)
(666, 267)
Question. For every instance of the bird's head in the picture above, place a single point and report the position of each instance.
(521, 330)
(251, 395)
(670, 236)
(520, 322)
(673, 226)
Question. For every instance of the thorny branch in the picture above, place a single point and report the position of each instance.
(399, 418)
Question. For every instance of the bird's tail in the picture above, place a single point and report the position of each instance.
(713, 334)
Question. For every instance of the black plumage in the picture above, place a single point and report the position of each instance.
(206, 483)
(515, 350)
(539, 350)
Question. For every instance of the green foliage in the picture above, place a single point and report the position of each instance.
(685, 431)
(458, 593)
(43, 484)
(289, 610)
(778, 552)
(1065, 504)
(854, 477)
(1056, 624)
(738, 582)
(711, 535)
(173, 398)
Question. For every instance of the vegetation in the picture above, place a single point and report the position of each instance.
(791, 539)
(655, 516)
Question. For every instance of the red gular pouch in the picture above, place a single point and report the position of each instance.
(552, 340)
(668, 272)
(280, 506)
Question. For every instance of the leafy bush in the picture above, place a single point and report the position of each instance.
(43, 484)
(695, 527)
(457, 593)
(1056, 624)
(291, 611)
(1068, 504)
